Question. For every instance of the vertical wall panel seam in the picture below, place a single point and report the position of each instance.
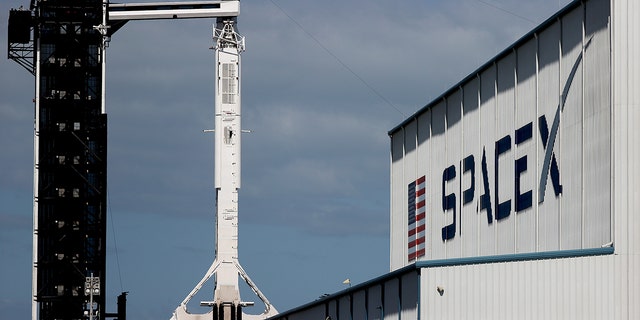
(382, 301)
(459, 224)
(479, 103)
(429, 213)
(495, 122)
(366, 303)
(515, 147)
(417, 174)
(419, 293)
(404, 207)
(399, 298)
(537, 106)
(628, 106)
(613, 139)
(559, 150)
(391, 204)
(404, 220)
(445, 136)
(582, 92)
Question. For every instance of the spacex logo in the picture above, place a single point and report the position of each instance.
(488, 201)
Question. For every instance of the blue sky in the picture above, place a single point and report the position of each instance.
(322, 83)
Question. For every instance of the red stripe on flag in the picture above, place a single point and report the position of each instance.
(416, 230)
(417, 241)
(412, 256)
(417, 254)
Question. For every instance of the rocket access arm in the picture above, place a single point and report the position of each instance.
(173, 10)
(121, 13)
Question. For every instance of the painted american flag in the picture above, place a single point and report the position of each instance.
(416, 219)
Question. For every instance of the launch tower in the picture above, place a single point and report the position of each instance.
(63, 44)
(70, 151)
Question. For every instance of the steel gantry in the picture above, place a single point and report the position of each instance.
(63, 44)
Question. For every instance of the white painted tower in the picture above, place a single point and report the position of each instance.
(226, 302)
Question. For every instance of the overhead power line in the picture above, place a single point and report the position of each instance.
(115, 243)
(506, 11)
(376, 92)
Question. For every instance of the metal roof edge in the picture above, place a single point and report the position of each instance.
(516, 257)
(333, 296)
(488, 64)
(605, 250)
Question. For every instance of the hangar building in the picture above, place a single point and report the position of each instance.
(514, 193)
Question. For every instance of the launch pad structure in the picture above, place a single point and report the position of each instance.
(63, 44)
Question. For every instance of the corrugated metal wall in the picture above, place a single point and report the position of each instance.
(586, 56)
(391, 297)
(583, 65)
(626, 137)
(517, 157)
(570, 288)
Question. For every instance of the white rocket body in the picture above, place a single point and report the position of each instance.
(226, 302)
(227, 166)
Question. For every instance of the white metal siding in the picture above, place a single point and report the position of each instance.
(548, 100)
(424, 165)
(544, 104)
(505, 110)
(469, 218)
(437, 152)
(626, 185)
(453, 152)
(597, 124)
(601, 136)
(398, 204)
(572, 288)
(487, 231)
(410, 175)
(571, 133)
(526, 97)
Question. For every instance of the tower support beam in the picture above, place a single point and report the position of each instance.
(173, 10)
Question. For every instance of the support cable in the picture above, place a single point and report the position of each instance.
(376, 92)
(115, 244)
(506, 11)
